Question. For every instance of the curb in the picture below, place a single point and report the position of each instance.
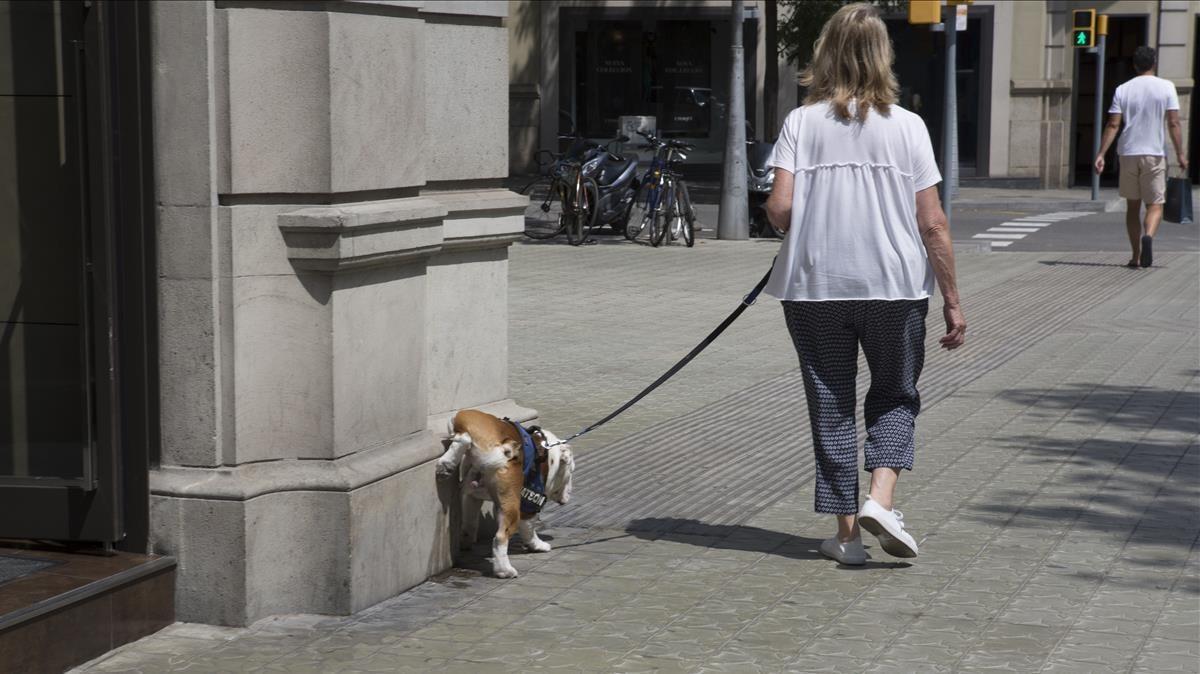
(1109, 206)
(971, 247)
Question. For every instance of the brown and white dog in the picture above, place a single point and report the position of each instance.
(486, 453)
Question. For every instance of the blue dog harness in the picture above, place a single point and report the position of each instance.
(533, 493)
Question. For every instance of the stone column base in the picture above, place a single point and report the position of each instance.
(305, 535)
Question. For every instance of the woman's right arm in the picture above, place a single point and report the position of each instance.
(935, 233)
(779, 204)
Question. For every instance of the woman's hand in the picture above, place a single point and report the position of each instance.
(956, 327)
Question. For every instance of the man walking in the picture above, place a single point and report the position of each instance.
(1144, 102)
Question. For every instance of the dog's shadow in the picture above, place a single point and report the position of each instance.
(742, 537)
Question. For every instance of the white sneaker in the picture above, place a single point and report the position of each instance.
(888, 527)
(850, 554)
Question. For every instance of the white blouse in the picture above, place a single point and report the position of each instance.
(854, 232)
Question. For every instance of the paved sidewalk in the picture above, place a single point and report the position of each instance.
(1055, 494)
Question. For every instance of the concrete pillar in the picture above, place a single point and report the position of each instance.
(332, 234)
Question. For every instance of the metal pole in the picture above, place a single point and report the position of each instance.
(1099, 111)
(733, 220)
(950, 112)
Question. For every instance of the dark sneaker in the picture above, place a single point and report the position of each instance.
(1147, 251)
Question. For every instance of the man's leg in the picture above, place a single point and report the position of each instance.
(1133, 226)
(1153, 217)
(1154, 191)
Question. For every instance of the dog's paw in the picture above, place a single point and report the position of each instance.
(445, 470)
(505, 572)
(538, 546)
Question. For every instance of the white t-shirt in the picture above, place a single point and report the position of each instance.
(1143, 103)
(854, 232)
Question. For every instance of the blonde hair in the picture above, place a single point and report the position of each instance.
(852, 61)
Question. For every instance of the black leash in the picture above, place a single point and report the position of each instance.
(712, 336)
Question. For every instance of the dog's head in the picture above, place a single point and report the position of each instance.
(560, 466)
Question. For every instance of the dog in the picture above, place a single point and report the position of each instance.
(492, 459)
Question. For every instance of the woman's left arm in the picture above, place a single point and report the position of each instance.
(779, 204)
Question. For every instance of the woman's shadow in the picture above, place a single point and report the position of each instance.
(741, 537)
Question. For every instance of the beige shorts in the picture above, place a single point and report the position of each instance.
(1143, 177)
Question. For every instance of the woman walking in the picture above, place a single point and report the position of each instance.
(855, 186)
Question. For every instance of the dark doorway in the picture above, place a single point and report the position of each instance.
(920, 67)
(1125, 34)
(76, 272)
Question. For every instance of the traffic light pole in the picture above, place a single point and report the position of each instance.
(1101, 38)
(950, 112)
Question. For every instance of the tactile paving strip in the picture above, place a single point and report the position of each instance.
(723, 463)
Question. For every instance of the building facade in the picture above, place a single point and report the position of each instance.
(1025, 95)
(302, 273)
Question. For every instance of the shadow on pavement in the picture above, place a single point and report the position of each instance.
(738, 537)
(1132, 407)
(1137, 490)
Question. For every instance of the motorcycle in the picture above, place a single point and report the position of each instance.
(616, 184)
(760, 178)
(608, 180)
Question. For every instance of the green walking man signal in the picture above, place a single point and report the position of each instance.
(1083, 28)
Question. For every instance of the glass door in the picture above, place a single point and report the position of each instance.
(61, 221)
(45, 408)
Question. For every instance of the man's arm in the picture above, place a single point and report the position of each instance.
(1110, 133)
(935, 233)
(779, 204)
(1176, 131)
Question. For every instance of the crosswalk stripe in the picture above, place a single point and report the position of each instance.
(1001, 244)
(1025, 223)
(1025, 230)
(999, 236)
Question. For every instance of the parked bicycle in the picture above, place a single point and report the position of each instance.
(577, 186)
(662, 204)
(558, 198)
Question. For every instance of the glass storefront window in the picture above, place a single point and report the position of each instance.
(43, 403)
(684, 74)
(624, 69)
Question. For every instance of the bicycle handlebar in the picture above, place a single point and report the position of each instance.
(657, 143)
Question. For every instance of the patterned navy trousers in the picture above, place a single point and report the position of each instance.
(827, 335)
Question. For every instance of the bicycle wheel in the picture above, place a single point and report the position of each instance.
(660, 218)
(544, 214)
(635, 217)
(579, 225)
(687, 213)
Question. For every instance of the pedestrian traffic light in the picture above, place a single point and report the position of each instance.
(1083, 28)
(924, 11)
